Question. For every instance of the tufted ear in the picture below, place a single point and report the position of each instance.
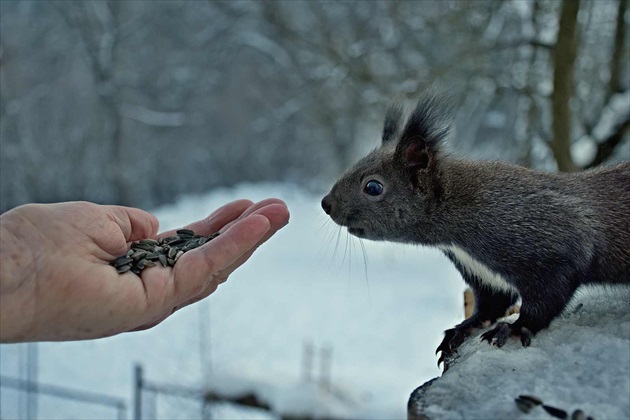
(423, 134)
(416, 155)
(393, 120)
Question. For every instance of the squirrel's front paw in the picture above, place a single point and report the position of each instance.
(453, 338)
(499, 334)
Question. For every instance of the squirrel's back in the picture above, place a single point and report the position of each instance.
(493, 208)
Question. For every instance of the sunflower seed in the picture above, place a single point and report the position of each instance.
(556, 412)
(532, 399)
(524, 406)
(119, 262)
(139, 254)
(138, 245)
(191, 245)
(140, 264)
(162, 258)
(124, 268)
(578, 415)
(149, 263)
(178, 255)
(172, 252)
(185, 232)
(176, 242)
(525, 403)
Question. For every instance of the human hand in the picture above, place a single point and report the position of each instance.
(56, 282)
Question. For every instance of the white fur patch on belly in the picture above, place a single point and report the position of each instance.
(474, 267)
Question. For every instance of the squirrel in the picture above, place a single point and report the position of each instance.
(512, 232)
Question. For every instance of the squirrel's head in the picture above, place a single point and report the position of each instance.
(396, 187)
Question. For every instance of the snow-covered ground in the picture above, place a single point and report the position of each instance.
(582, 362)
(382, 320)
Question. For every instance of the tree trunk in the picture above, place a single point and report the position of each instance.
(564, 55)
(617, 59)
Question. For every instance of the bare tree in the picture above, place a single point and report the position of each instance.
(136, 102)
(564, 54)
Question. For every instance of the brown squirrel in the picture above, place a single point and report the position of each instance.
(512, 232)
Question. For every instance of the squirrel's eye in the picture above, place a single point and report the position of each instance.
(373, 188)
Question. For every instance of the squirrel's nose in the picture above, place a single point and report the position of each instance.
(326, 204)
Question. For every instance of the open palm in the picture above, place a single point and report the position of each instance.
(56, 273)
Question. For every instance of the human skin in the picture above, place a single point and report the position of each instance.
(56, 282)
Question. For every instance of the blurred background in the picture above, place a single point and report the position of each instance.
(137, 102)
(177, 106)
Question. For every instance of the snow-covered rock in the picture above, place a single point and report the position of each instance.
(582, 362)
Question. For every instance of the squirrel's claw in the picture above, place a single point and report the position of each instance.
(453, 338)
(499, 334)
(445, 346)
(441, 359)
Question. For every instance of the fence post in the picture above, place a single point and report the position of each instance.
(32, 378)
(137, 407)
(325, 368)
(307, 361)
(121, 411)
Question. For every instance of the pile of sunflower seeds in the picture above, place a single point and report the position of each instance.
(166, 251)
(527, 402)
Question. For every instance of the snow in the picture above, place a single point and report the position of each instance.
(581, 362)
(382, 321)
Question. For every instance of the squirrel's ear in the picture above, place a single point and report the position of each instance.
(416, 156)
(393, 120)
(427, 127)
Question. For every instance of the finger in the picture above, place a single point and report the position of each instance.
(134, 223)
(255, 207)
(196, 268)
(218, 219)
(278, 216)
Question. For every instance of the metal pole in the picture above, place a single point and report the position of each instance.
(31, 390)
(121, 411)
(307, 361)
(137, 409)
(325, 368)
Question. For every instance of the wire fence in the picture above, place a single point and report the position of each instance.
(29, 399)
(153, 400)
(25, 399)
(166, 401)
